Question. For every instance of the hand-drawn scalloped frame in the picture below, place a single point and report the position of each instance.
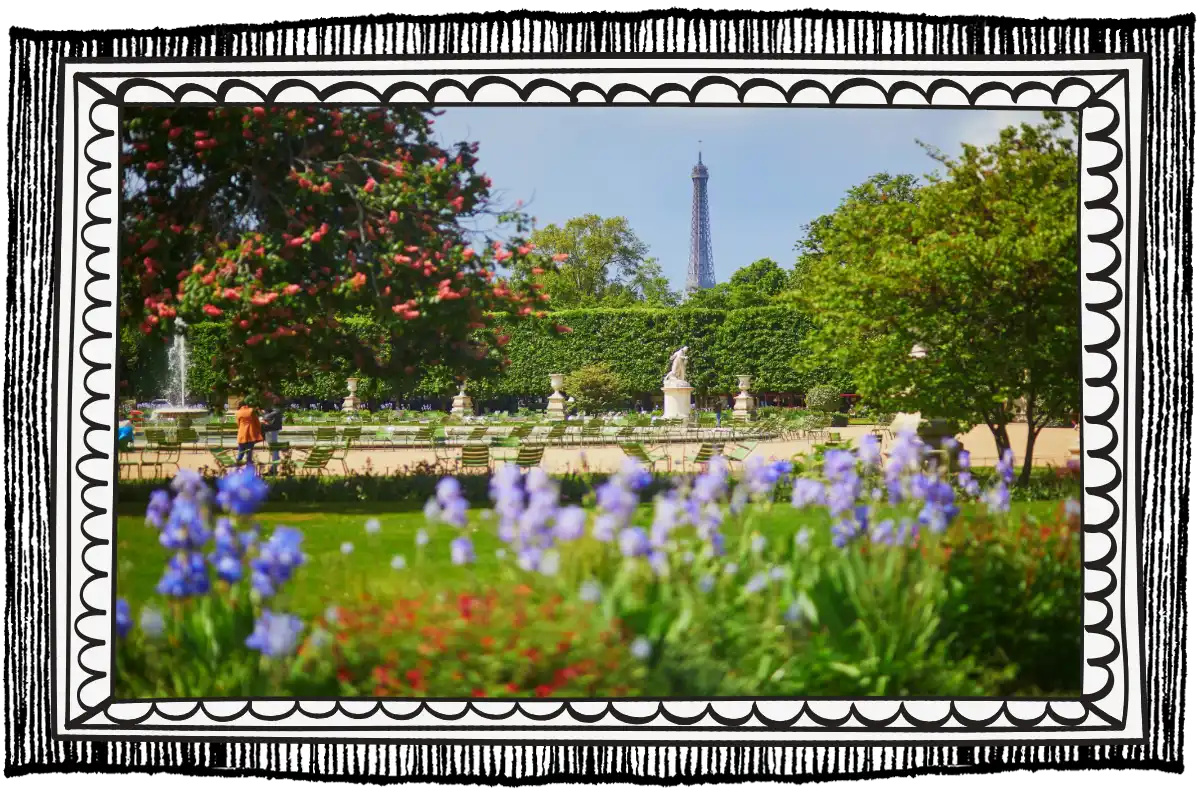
(1074, 718)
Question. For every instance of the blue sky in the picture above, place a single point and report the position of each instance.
(770, 169)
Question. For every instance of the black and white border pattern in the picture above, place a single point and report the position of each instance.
(57, 711)
(1107, 92)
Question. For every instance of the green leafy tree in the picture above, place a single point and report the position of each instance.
(978, 275)
(824, 397)
(604, 256)
(718, 298)
(757, 284)
(595, 388)
(279, 222)
(645, 285)
(879, 188)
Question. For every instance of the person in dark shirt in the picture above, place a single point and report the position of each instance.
(272, 424)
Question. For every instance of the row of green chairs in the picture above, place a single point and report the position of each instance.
(479, 457)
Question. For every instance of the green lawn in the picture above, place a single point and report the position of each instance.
(331, 577)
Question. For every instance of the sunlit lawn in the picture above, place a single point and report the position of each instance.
(331, 576)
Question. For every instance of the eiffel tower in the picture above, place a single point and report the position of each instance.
(700, 266)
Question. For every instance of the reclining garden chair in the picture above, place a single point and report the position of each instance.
(317, 459)
(707, 452)
(650, 459)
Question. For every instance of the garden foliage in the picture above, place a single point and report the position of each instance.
(637, 343)
(598, 599)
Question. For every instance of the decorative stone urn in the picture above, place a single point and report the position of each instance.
(351, 403)
(557, 407)
(462, 406)
(743, 403)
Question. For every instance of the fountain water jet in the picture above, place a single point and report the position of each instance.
(176, 393)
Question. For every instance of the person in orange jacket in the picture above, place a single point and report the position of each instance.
(249, 431)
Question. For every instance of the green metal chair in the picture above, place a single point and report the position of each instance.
(185, 436)
(707, 452)
(225, 462)
(530, 456)
(324, 435)
(317, 459)
(740, 452)
(475, 456)
(557, 435)
(649, 458)
(214, 430)
(167, 456)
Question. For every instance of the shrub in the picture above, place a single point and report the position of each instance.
(707, 597)
(824, 397)
(635, 342)
(1014, 597)
(595, 388)
(502, 642)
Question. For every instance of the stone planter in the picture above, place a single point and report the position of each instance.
(743, 403)
(556, 407)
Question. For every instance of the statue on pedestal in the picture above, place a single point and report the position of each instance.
(677, 374)
(677, 392)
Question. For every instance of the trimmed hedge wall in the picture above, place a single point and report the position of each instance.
(637, 342)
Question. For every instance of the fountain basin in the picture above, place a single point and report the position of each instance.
(183, 416)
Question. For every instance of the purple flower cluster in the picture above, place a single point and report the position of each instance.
(276, 562)
(240, 492)
(530, 518)
(186, 528)
(617, 498)
(275, 635)
(759, 476)
(448, 504)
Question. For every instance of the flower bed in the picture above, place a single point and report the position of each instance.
(596, 599)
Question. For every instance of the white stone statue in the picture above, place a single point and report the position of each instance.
(677, 376)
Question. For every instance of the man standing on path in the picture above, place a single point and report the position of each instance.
(272, 424)
(249, 432)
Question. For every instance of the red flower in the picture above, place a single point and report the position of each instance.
(562, 328)
(393, 217)
(259, 111)
(543, 691)
(478, 693)
(370, 185)
(212, 310)
(468, 254)
(560, 257)
(255, 339)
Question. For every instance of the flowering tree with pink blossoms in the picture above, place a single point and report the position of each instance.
(282, 221)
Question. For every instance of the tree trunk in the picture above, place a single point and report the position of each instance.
(1000, 434)
(1030, 439)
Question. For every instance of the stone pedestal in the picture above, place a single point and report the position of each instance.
(677, 402)
(557, 407)
(743, 404)
(462, 406)
(351, 403)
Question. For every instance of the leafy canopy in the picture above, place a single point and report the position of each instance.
(606, 265)
(280, 221)
(978, 270)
